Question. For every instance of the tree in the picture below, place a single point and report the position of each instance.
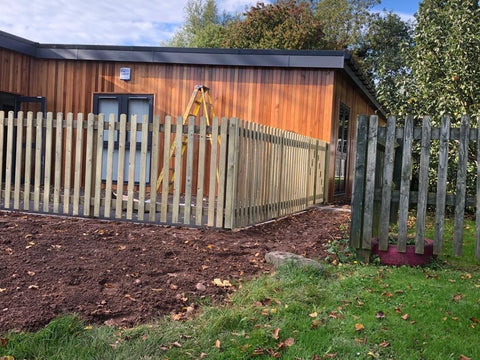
(445, 65)
(344, 21)
(203, 26)
(383, 54)
(284, 24)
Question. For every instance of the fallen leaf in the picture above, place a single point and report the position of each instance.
(122, 247)
(380, 315)
(3, 342)
(88, 327)
(258, 352)
(34, 287)
(220, 283)
(203, 355)
(200, 287)
(8, 357)
(275, 333)
(157, 290)
(359, 327)
(31, 273)
(9, 251)
(3, 289)
(217, 344)
(457, 297)
(289, 341)
(313, 315)
(177, 317)
(384, 344)
(405, 317)
(173, 287)
(463, 357)
(387, 294)
(330, 355)
(475, 320)
(176, 344)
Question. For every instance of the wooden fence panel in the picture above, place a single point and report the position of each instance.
(81, 166)
(365, 193)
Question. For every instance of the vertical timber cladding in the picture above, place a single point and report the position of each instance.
(287, 98)
(15, 73)
(346, 93)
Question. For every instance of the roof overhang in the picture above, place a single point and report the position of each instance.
(311, 59)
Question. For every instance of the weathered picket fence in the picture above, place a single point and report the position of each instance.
(379, 196)
(227, 174)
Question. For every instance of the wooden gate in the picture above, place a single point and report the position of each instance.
(384, 191)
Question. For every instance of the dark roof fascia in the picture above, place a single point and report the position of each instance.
(319, 59)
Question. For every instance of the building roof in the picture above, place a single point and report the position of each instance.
(316, 59)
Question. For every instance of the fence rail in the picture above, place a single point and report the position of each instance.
(380, 196)
(226, 174)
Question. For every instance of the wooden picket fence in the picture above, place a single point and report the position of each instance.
(379, 196)
(227, 174)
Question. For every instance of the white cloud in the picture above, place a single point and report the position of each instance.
(136, 22)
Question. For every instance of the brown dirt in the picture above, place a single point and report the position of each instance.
(123, 274)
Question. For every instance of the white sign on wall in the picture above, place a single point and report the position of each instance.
(124, 73)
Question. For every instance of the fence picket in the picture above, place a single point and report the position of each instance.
(68, 163)
(109, 169)
(370, 181)
(99, 165)
(178, 170)
(48, 161)
(477, 213)
(166, 172)
(201, 171)
(214, 173)
(222, 172)
(423, 190)
(154, 168)
(2, 132)
(387, 182)
(122, 139)
(88, 166)
(38, 162)
(58, 162)
(28, 158)
(143, 169)
(77, 180)
(405, 184)
(461, 185)
(18, 161)
(132, 137)
(189, 172)
(9, 160)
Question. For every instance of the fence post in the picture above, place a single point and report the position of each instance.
(370, 176)
(231, 179)
(358, 184)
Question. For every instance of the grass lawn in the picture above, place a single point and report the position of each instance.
(352, 311)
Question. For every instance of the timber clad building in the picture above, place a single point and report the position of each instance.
(314, 93)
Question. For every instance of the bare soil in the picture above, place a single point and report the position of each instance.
(123, 274)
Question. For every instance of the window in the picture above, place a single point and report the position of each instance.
(341, 157)
(128, 104)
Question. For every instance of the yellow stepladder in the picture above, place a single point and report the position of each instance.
(200, 96)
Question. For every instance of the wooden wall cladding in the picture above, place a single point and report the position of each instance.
(15, 72)
(298, 100)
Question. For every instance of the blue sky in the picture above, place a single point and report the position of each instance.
(113, 22)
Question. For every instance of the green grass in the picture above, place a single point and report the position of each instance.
(352, 311)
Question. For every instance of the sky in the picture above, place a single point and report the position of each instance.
(113, 22)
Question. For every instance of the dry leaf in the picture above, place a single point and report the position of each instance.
(405, 317)
(313, 315)
(475, 320)
(8, 251)
(217, 344)
(3, 342)
(380, 315)
(157, 290)
(35, 287)
(3, 289)
(31, 273)
(463, 357)
(220, 283)
(384, 344)
(289, 341)
(457, 297)
(8, 357)
(177, 344)
(122, 247)
(330, 356)
(275, 333)
(359, 327)
(203, 355)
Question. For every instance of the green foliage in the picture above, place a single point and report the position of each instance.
(344, 21)
(383, 54)
(444, 63)
(284, 24)
(203, 26)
